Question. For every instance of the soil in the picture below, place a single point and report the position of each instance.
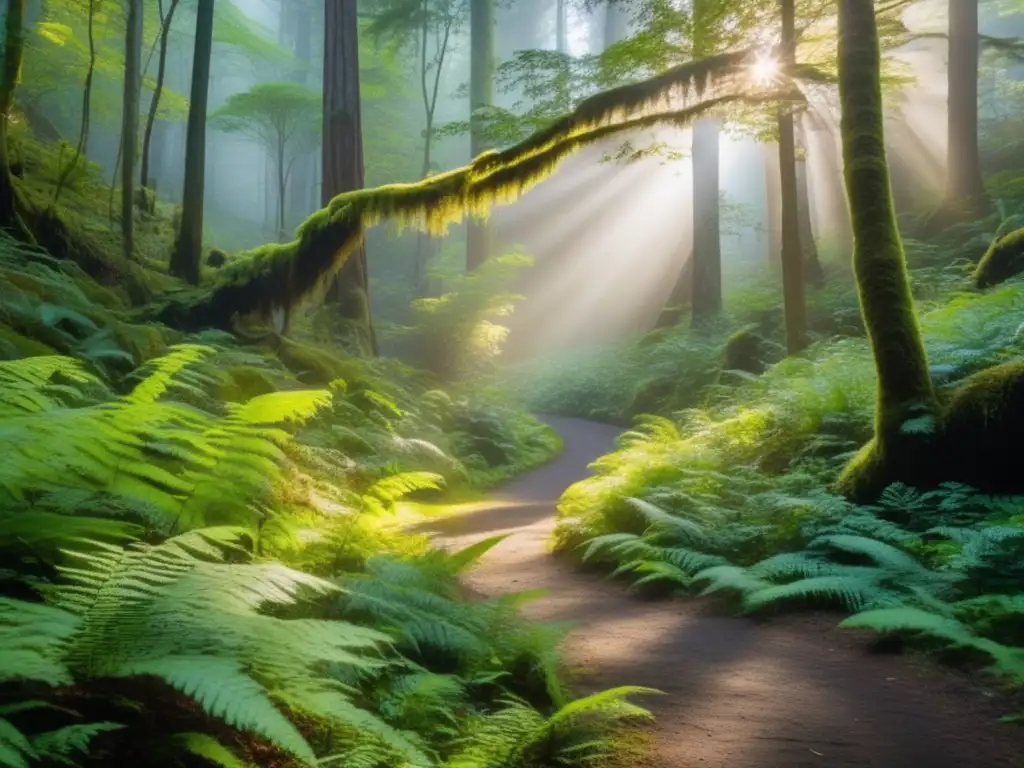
(790, 692)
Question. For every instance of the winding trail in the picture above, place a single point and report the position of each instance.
(792, 693)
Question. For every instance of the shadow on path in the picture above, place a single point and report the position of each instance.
(792, 693)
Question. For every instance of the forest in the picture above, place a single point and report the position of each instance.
(512, 383)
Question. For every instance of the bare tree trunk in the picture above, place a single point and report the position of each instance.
(154, 104)
(773, 196)
(813, 272)
(188, 251)
(342, 152)
(561, 28)
(130, 121)
(301, 181)
(83, 131)
(965, 190)
(706, 301)
(792, 253)
(481, 77)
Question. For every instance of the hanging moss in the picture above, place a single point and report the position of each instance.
(905, 391)
(1004, 259)
(272, 280)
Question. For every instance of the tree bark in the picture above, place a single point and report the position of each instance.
(813, 273)
(130, 121)
(792, 252)
(561, 28)
(904, 384)
(14, 48)
(706, 301)
(154, 104)
(481, 81)
(773, 206)
(965, 190)
(301, 181)
(188, 251)
(342, 152)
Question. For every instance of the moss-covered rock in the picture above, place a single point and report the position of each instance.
(1003, 260)
(313, 365)
(14, 345)
(216, 258)
(143, 342)
(983, 431)
(743, 352)
(241, 383)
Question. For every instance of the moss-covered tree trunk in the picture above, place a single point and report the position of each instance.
(14, 46)
(188, 250)
(481, 84)
(342, 154)
(706, 299)
(904, 384)
(130, 121)
(965, 190)
(792, 252)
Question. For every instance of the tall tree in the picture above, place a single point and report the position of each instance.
(965, 190)
(130, 120)
(561, 27)
(792, 253)
(813, 273)
(14, 49)
(188, 249)
(706, 285)
(303, 181)
(481, 84)
(343, 169)
(904, 383)
(154, 104)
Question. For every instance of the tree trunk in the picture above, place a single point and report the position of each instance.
(773, 207)
(707, 245)
(481, 77)
(342, 152)
(130, 121)
(813, 272)
(282, 189)
(14, 47)
(965, 190)
(904, 384)
(301, 181)
(188, 251)
(792, 252)
(561, 28)
(83, 130)
(154, 104)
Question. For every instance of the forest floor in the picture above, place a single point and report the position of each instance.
(791, 692)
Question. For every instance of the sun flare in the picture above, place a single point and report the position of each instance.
(764, 69)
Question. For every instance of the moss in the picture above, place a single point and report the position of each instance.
(216, 258)
(14, 345)
(904, 382)
(743, 352)
(312, 365)
(142, 342)
(983, 430)
(241, 383)
(1004, 259)
(278, 277)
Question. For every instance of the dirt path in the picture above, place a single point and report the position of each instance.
(786, 694)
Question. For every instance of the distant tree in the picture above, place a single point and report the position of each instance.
(965, 190)
(283, 117)
(14, 41)
(481, 85)
(158, 89)
(792, 252)
(343, 169)
(130, 120)
(188, 249)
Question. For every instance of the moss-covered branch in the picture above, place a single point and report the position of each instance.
(272, 280)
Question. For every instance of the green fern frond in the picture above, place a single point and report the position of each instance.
(280, 407)
(162, 372)
(730, 578)
(394, 487)
(467, 557)
(208, 748)
(225, 691)
(33, 637)
(688, 531)
(61, 745)
(16, 750)
(854, 592)
(884, 555)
